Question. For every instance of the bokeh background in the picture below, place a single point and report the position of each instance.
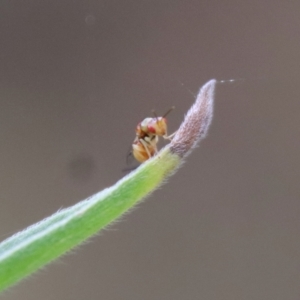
(75, 79)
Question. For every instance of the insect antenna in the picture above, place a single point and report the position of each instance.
(173, 107)
(155, 115)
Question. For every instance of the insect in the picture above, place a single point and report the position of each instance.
(147, 133)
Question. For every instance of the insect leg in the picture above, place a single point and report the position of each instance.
(169, 137)
(145, 144)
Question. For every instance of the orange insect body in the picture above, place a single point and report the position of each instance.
(142, 150)
(147, 132)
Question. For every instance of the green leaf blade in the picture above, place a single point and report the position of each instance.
(38, 245)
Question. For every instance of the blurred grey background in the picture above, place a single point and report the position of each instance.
(75, 79)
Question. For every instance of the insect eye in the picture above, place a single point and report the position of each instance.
(151, 129)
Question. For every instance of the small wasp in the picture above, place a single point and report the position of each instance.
(148, 132)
